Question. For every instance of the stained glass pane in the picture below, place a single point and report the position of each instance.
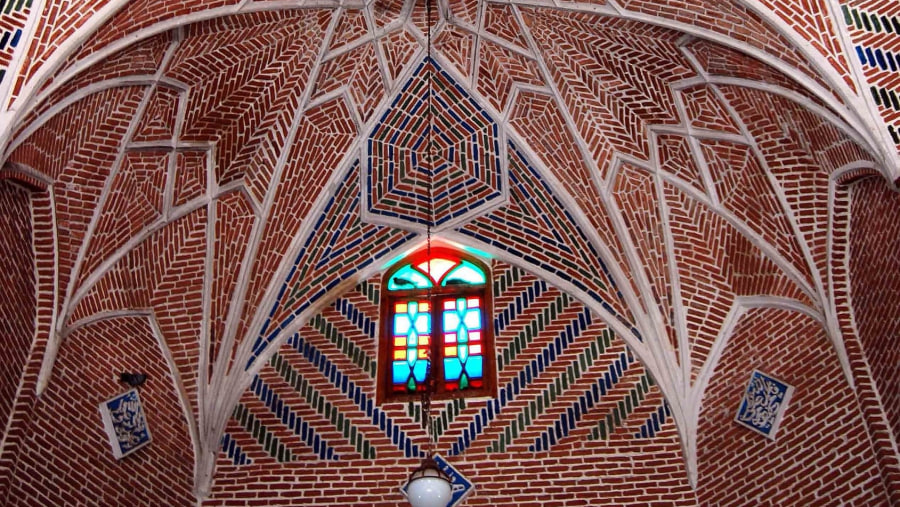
(474, 366)
(465, 274)
(408, 277)
(463, 362)
(409, 345)
(452, 369)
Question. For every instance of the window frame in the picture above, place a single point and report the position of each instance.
(437, 294)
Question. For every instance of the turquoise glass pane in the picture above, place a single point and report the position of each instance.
(466, 273)
(408, 277)
(452, 369)
(473, 319)
(462, 351)
(463, 335)
(474, 367)
(411, 356)
(401, 324)
(400, 372)
(419, 370)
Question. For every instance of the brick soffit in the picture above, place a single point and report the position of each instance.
(682, 390)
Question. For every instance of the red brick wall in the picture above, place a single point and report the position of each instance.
(620, 469)
(65, 457)
(17, 299)
(875, 286)
(822, 454)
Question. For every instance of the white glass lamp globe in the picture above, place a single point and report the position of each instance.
(428, 486)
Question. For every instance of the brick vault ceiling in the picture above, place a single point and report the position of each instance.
(671, 182)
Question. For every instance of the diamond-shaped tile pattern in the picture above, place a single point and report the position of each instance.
(467, 173)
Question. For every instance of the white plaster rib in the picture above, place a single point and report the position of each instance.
(379, 51)
(24, 170)
(647, 324)
(183, 398)
(738, 309)
(81, 93)
(221, 387)
(851, 318)
(851, 112)
(770, 252)
(679, 316)
(565, 286)
(106, 315)
(481, 33)
(176, 214)
(821, 298)
(38, 284)
(14, 68)
(54, 339)
(793, 96)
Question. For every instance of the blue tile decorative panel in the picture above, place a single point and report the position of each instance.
(125, 424)
(764, 403)
(461, 486)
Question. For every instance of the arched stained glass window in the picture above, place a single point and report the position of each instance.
(434, 316)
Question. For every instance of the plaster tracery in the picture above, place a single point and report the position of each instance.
(627, 163)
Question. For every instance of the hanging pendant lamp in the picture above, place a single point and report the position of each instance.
(428, 486)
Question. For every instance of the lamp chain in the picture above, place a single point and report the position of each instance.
(430, 381)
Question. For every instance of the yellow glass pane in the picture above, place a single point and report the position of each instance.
(400, 308)
(400, 354)
(423, 340)
(450, 351)
(423, 353)
(424, 307)
(400, 342)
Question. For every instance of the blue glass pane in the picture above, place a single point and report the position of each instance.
(474, 366)
(452, 369)
(408, 277)
(466, 273)
(419, 370)
(400, 372)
